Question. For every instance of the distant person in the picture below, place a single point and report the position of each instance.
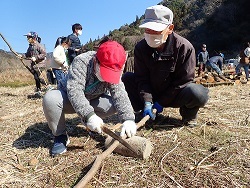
(215, 63)
(244, 61)
(75, 43)
(37, 54)
(93, 89)
(164, 70)
(59, 63)
(202, 58)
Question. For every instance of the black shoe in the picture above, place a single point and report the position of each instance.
(138, 116)
(190, 123)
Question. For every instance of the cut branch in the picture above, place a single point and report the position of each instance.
(98, 161)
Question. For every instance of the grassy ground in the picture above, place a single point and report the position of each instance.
(214, 154)
(17, 78)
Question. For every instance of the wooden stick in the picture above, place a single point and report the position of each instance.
(98, 161)
(15, 53)
(217, 84)
(27, 67)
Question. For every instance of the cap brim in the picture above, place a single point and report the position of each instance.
(110, 76)
(154, 26)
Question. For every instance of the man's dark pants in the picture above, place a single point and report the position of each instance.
(189, 99)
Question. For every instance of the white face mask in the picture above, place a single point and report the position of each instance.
(79, 32)
(98, 73)
(154, 41)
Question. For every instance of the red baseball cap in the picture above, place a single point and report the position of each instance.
(112, 58)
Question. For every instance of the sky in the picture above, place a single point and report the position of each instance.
(54, 18)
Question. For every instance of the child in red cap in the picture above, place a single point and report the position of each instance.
(92, 89)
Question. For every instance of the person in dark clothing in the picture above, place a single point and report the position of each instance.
(244, 61)
(75, 43)
(202, 58)
(37, 54)
(164, 69)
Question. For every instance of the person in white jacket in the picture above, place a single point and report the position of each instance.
(59, 62)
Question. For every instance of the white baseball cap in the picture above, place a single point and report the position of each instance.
(157, 18)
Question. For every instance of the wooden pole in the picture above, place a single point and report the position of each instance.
(98, 161)
(16, 54)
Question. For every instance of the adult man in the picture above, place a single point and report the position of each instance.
(93, 89)
(202, 58)
(37, 54)
(164, 70)
(244, 61)
(216, 63)
(75, 43)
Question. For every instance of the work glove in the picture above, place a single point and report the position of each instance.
(94, 123)
(20, 56)
(158, 107)
(33, 59)
(128, 127)
(148, 110)
(65, 67)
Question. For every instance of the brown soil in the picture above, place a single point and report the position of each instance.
(214, 154)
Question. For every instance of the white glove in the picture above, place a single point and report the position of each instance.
(94, 123)
(128, 127)
(65, 66)
(33, 59)
(20, 56)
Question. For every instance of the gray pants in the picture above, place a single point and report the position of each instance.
(56, 104)
(189, 99)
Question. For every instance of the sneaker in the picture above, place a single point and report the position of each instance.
(60, 145)
(190, 123)
(38, 94)
(49, 87)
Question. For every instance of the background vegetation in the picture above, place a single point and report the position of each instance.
(221, 24)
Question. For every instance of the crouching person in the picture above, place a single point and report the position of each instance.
(92, 89)
(164, 69)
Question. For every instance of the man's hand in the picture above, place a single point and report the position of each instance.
(158, 107)
(20, 56)
(148, 110)
(128, 127)
(94, 123)
(33, 59)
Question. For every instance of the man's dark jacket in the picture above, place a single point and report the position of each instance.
(75, 43)
(161, 76)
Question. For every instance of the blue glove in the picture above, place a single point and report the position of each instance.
(148, 110)
(158, 107)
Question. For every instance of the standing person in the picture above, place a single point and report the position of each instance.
(59, 63)
(75, 46)
(244, 60)
(92, 89)
(164, 69)
(202, 58)
(37, 54)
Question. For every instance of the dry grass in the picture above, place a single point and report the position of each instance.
(214, 154)
(18, 77)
